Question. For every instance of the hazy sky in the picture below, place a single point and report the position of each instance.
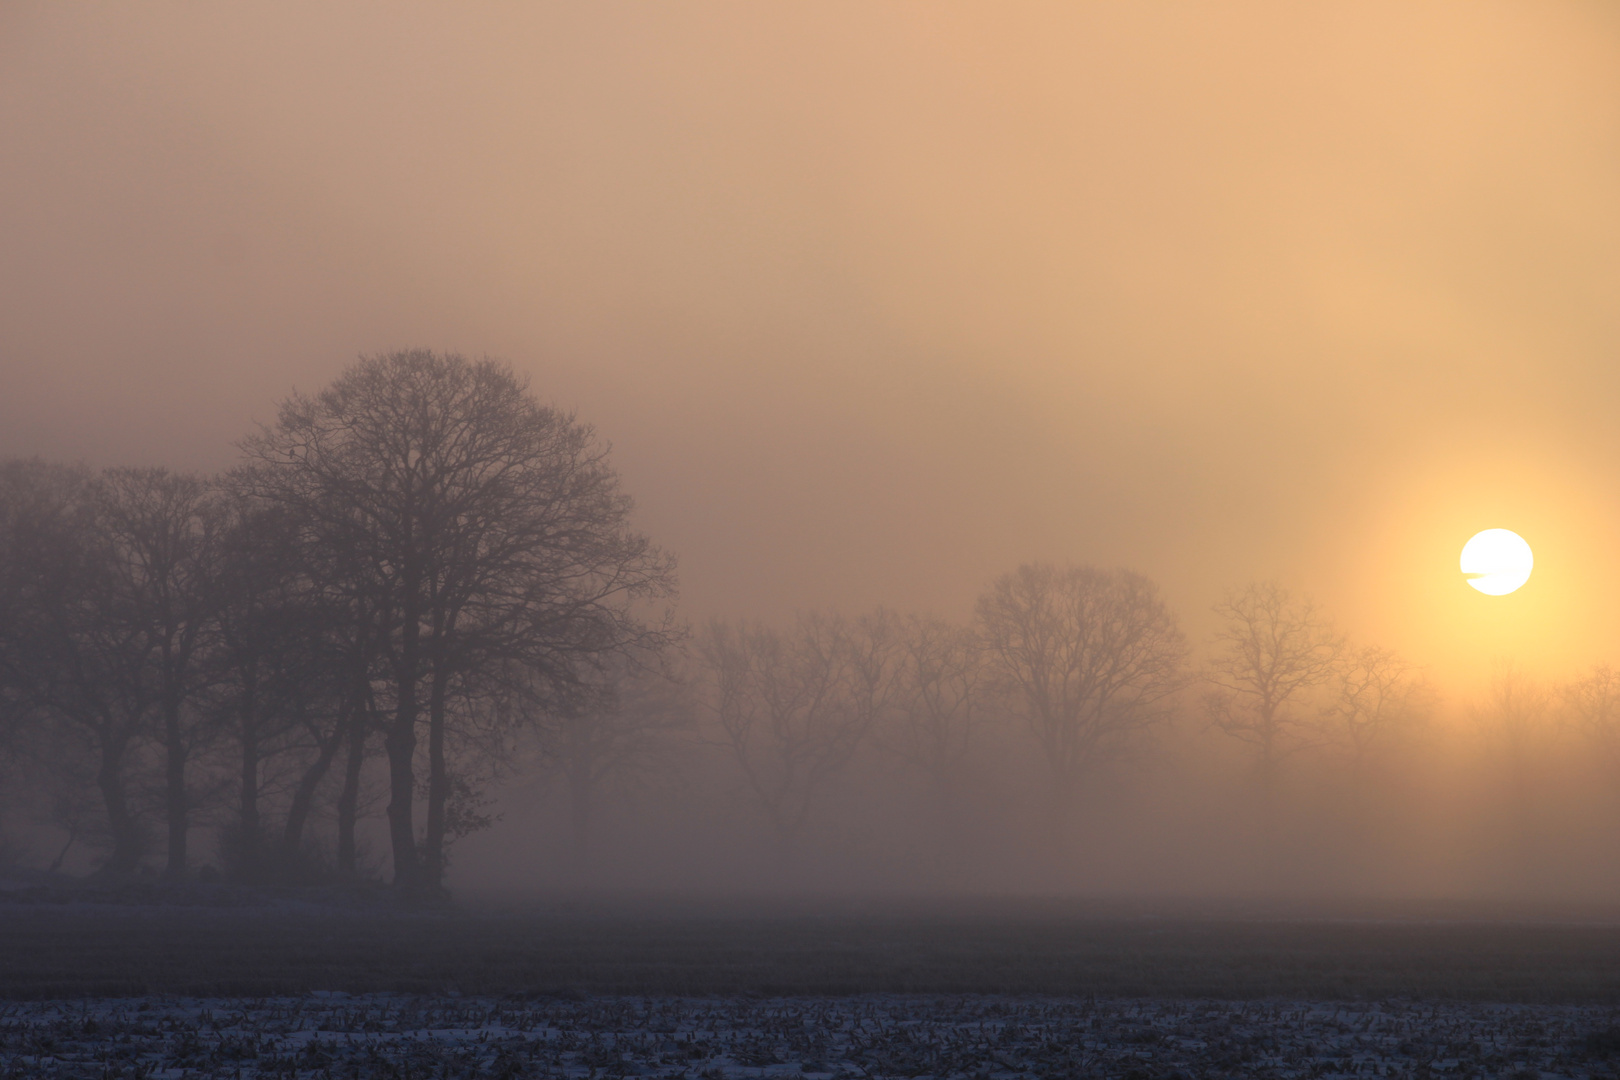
(876, 300)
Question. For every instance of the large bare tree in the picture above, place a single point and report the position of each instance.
(1091, 657)
(485, 526)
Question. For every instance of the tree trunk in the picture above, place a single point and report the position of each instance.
(303, 800)
(56, 863)
(438, 781)
(126, 851)
(1269, 766)
(1275, 866)
(401, 745)
(349, 799)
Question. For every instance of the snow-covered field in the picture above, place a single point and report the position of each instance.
(381, 1035)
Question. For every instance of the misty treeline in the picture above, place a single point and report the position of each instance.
(421, 582)
(411, 564)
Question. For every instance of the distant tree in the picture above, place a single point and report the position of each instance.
(75, 651)
(1516, 722)
(1091, 657)
(22, 496)
(792, 708)
(1377, 699)
(482, 527)
(162, 531)
(1271, 652)
(34, 498)
(1518, 719)
(1518, 710)
(615, 723)
(942, 702)
(45, 516)
(1593, 703)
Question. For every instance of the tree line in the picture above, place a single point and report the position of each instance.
(1086, 666)
(422, 567)
(407, 563)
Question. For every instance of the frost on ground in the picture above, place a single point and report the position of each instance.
(333, 1035)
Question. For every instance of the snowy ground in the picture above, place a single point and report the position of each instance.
(381, 1035)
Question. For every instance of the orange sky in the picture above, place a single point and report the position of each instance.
(877, 300)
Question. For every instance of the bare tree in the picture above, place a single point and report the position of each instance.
(162, 532)
(1092, 658)
(1379, 698)
(34, 498)
(294, 667)
(1517, 722)
(352, 799)
(1518, 715)
(793, 708)
(1593, 703)
(613, 724)
(267, 633)
(1272, 651)
(1519, 711)
(942, 702)
(483, 525)
(74, 651)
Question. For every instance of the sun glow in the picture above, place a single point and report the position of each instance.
(1497, 561)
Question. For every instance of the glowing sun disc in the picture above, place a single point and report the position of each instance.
(1497, 561)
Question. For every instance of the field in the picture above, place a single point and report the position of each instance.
(230, 943)
(871, 1037)
(225, 983)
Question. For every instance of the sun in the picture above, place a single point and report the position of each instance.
(1497, 561)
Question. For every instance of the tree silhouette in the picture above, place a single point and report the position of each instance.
(481, 525)
(1091, 657)
(1378, 698)
(75, 652)
(792, 708)
(161, 532)
(1271, 651)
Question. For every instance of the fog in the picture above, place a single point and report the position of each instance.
(876, 303)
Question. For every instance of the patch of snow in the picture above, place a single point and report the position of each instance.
(877, 1036)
